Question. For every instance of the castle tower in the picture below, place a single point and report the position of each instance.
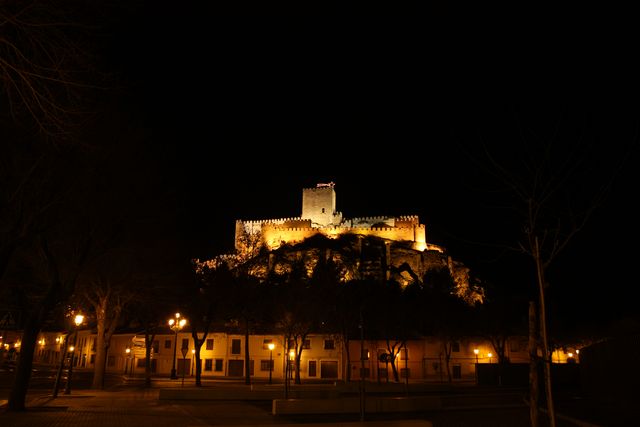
(319, 205)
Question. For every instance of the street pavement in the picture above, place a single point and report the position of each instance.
(129, 404)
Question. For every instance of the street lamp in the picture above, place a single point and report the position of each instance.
(176, 324)
(271, 347)
(78, 321)
(476, 351)
(490, 356)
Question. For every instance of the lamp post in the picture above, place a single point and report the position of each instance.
(126, 361)
(490, 356)
(271, 347)
(176, 324)
(476, 351)
(78, 321)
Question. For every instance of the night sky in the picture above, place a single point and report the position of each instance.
(240, 113)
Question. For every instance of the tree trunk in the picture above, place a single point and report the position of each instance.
(543, 330)
(348, 354)
(394, 368)
(25, 362)
(298, 357)
(101, 355)
(447, 359)
(533, 366)
(148, 345)
(247, 360)
(198, 367)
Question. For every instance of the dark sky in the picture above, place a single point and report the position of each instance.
(249, 110)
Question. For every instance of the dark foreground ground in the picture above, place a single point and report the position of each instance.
(126, 403)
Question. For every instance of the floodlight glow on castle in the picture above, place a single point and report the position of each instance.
(319, 216)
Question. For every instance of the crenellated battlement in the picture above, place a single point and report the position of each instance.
(268, 221)
(371, 218)
(411, 218)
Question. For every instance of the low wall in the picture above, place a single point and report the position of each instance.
(244, 393)
(351, 405)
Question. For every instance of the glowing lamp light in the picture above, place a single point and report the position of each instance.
(490, 354)
(271, 346)
(71, 348)
(476, 351)
(569, 354)
(127, 350)
(193, 351)
(78, 319)
(577, 351)
(292, 354)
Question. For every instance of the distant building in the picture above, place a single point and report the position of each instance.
(319, 216)
(324, 357)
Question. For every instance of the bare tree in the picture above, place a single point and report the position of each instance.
(45, 63)
(108, 299)
(554, 205)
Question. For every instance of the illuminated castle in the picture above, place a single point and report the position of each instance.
(319, 216)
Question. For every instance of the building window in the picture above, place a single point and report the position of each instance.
(167, 343)
(235, 346)
(111, 361)
(156, 346)
(457, 371)
(208, 364)
(219, 365)
(210, 344)
(514, 345)
(322, 210)
(405, 373)
(185, 343)
(141, 363)
(264, 365)
(365, 372)
(306, 344)
(265, 343)
(313, 367)
(92, 359)
(329, 345)
(455, 346)
(365, 354)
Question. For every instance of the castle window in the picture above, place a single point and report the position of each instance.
(322, 210)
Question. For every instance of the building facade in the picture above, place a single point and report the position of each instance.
(324, 357)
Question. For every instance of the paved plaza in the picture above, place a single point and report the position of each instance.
(124, 406)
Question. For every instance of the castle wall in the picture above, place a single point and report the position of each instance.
(274, 234)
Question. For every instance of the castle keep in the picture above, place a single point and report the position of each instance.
(319, 216)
